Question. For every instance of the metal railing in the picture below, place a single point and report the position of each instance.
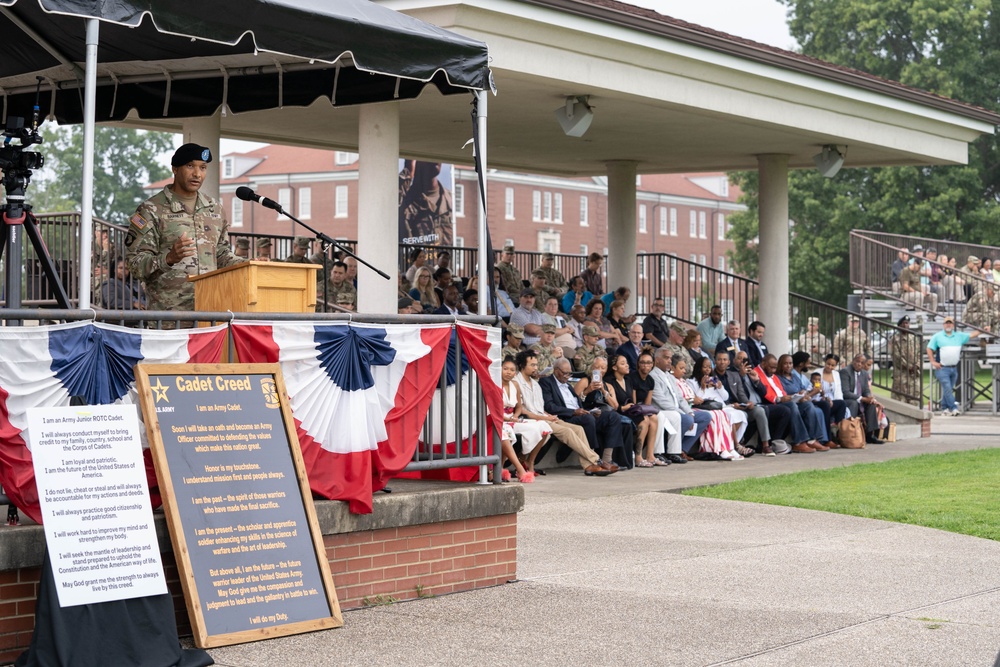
(948, 291)
(455, 432)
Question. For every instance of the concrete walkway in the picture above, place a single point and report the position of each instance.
(620, 571)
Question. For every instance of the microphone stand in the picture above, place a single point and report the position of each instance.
(327, 244)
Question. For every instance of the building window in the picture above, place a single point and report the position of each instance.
(724, 186)
(693, 309)
(642, 219)
(285, 200)
(691, 268)
(340, 208)
(704, 272)
(458, 258)
(557, 207)
(546, 206)
(673, 268)
(458, 200)
(663, 221)
(536, 205)
(584, 211)
(702, 231)
(721, 224)
(642, 268)
(673, 222)
(342, 158)
(727, 309)
(227, 167)
(670, 306)
(640, 304)
(236, 219)
(305, 203)
(694, 224)
(508, 203)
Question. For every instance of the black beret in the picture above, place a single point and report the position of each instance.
(188, 153)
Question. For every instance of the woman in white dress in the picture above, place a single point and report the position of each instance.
(534, 433)
(707, 387)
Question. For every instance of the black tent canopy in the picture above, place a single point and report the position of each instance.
(169, 58)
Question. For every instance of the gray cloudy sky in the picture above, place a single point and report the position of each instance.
(759, 20)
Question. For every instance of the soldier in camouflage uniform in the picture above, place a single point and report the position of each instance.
(178, 232)
(554, 280)
(982, 310)
(263, 250)
(674, 343)
(546, 350)
(515, 334)
(907, 364)
(339, 284)
(815, 343)
(300, 251)
(243, 247)
(542, 291)
(590, 350)
(851, 341)
(511, 276)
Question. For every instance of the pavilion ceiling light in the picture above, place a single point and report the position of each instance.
(829, 160)
(575, 117)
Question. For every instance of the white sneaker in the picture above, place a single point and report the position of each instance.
(955, 413)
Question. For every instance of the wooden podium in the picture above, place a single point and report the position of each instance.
(257, 287)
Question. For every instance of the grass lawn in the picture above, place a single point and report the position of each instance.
(956, 492)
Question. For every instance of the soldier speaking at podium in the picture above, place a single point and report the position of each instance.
(178, 232)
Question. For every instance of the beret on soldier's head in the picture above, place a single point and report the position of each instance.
(189, 153)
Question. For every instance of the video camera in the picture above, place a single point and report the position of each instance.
(17, 163)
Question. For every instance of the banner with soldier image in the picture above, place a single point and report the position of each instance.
(426, 215)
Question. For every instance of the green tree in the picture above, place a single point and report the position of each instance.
(948, 47)
(124, 161)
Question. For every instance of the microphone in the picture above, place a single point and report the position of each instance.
(246, 194)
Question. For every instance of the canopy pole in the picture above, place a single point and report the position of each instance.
(485, 267)
(87, 203)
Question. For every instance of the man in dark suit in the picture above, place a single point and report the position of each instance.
(771, 421)
(450, 302)
(756, 349)
(633, 347)
(604, 430)
(854, 382)
(732, 343)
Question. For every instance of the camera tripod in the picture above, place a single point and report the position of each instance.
(18, 222)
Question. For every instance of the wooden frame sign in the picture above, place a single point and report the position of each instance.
(242, 522)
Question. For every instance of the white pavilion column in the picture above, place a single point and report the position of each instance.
(378, 207)
(773, 251)
(206, 132)
(621, 228)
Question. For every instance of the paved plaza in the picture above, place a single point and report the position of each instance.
(625, 571)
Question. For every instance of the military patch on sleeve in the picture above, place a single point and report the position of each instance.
(130, 238)
(138, 221)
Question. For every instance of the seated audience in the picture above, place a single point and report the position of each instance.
(655, 325)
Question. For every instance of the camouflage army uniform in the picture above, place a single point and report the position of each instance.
(155, 227)
(509, 351)
(907, 364)
(848, 344)
(100, 261)
(555, 283)
(806, 343)
(511, 279)
(546, 358)
(585, 358)
(982, 311)
(334, 292)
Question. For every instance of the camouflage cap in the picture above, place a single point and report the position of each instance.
(679, 328)
(591, 331)
(243, 242)
(853, 318)
(303, 242)
(814, 321)
(515, 330)
(972, 260)
(538, 274)
(263, 243)
(508, 248)
(548, 328)
(548, 255)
